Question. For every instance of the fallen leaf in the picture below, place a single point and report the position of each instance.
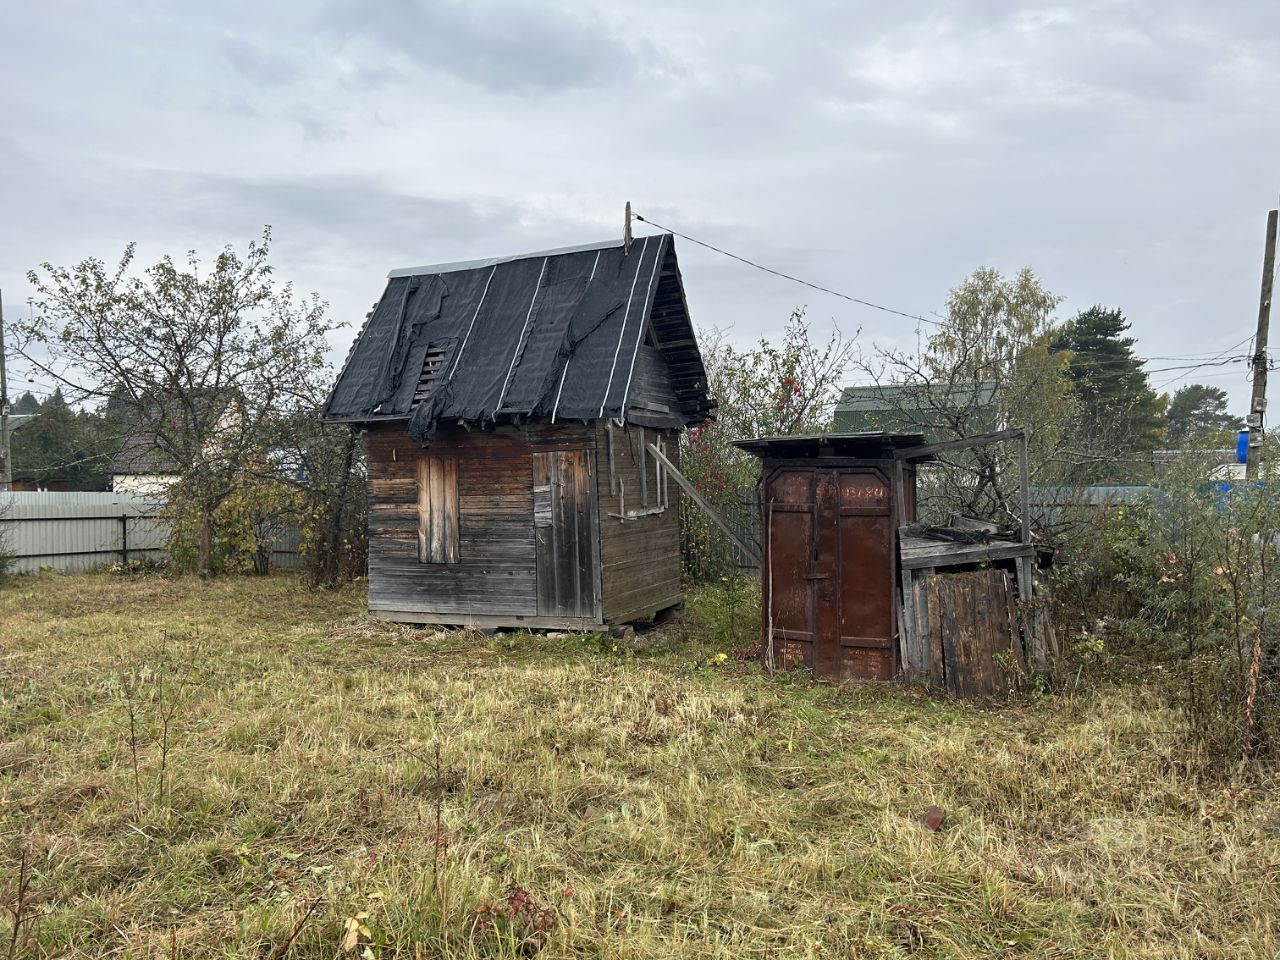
(933, 818)
(351, 938)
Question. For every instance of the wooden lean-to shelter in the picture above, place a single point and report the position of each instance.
(510, 410)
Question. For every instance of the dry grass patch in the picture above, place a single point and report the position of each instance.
(591, 802)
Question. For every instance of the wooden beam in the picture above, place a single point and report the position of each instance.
(1024, 488)
(689, 488)
(967, 443)
(907, 632)
(900, 493)
(947, 554)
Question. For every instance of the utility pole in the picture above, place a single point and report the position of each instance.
(6, 460)
(1258, 406)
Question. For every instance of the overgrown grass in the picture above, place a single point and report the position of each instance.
(667, 802)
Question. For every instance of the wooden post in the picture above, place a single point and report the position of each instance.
(908, 640)
(644, 473)
(1024, 488)
(613, 476)
(124, 539)
(768, 558)
(1033, 647)
(692, 491)
(6, 456)
(1258, 405)
(900, 493)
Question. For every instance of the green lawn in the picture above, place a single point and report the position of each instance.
(664, 802)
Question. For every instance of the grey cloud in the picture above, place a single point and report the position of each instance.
(511, 45)
(878, 149)
(257, 63)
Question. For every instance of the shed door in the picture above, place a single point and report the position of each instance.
(829, 578)
(566, 534)
(865, 572)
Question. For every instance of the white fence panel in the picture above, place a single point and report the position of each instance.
(81, 531)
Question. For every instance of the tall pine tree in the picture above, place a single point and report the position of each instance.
(1123, 416)
(1198, 416)
(61, 448)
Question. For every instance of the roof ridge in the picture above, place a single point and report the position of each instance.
(458, 265)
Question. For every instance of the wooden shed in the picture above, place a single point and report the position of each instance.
(854, 589)
(511, 408)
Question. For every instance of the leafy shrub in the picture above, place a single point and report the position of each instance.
(725, 613)
(244, 526)
(788, 388)
(1182, 587)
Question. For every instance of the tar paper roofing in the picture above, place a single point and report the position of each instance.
(554, 333)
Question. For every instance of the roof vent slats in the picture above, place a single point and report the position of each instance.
(432, 368)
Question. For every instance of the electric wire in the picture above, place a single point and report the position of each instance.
(787, 276)
(1217, 359)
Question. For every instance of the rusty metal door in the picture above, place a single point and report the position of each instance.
(865, 637)
(828, 579)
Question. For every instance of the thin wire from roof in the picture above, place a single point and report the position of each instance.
(787, 276)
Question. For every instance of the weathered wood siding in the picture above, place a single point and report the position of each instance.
(632, 573)
(973, 632)
(495, 574)
(652, 401)
(640, 557)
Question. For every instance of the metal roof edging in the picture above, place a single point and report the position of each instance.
(460, 265)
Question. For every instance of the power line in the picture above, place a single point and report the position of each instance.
(787, 276)
(1215, 360)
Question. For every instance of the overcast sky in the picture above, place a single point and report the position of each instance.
(1127, 152)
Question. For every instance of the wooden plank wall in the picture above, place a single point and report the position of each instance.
(973, 631)
(653, 399)
(640, 557)
(495, 574)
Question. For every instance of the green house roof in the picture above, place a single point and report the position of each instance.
(907, 408)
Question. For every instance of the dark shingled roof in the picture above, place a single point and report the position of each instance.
(550, 334)
(139, 456)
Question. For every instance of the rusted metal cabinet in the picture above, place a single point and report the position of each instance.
(829, 569)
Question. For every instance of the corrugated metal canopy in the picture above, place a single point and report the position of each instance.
(554, 334)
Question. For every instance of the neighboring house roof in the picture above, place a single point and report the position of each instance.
(19, 420)
(905, 407)
(554, 333)
(139, 456)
